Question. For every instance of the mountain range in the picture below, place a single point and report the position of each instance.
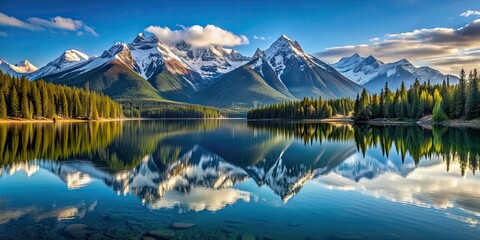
(372, 73)
(210, 75)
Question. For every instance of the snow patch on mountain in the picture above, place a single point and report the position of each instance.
(69, 59)
(19, 69)
(210, 61)
(365, 70)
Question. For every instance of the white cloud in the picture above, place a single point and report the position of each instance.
(58, 22)
(425, 46)
(428, 186)
(3, 34)
(198, 35)
(199, 199)
(259, 38)
(374, 39)
(469, 13)
(13, 22)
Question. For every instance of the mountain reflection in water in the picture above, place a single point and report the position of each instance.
(195, 165)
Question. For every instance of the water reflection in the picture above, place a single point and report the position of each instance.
(195, 165)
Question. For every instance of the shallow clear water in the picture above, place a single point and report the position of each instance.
(233, 179)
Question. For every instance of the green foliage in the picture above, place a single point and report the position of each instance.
(438, 113)
(308, 108)
(45, 100)
(472, 104)
(165, 109)
(3, 106)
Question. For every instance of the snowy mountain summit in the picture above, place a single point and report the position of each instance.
(20, 69)
(65, 61)
(373, 73)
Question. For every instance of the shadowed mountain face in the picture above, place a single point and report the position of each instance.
(160, 161)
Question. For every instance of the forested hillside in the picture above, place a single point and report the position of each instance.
(21, 98)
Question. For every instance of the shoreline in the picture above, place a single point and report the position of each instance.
(427, 123)
(382, 122)
(22, 120)
(65, 120)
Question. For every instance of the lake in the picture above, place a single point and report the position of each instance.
(233, 179)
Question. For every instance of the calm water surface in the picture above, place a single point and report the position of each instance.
(233, 179)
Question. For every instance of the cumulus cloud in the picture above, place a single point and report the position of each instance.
(469, 13)
(58, 22)
(424, 46)
(198, 36)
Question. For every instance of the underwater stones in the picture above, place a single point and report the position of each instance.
(77, 231)
(182, 225)
(117, 231)
(98, 236)
(161, 234)
(247, 236)
(148, 238)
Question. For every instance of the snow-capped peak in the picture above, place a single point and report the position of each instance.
(258, 54)
(20, 69)
(209, 61)
(65, 61)
(402, 61)
(284, 44)
(73, 55)
(26, 66)
(374, 73)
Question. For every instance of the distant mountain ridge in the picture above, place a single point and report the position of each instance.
(20, 69)
(372, 73)
(211, 75)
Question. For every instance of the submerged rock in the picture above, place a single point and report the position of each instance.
(98, 236)
(78, 231)
(182, 225)
(161, 234)
(247, 237)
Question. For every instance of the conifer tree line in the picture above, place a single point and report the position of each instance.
(149, 109)
(444, 101)
(21, 98)
(308, 108)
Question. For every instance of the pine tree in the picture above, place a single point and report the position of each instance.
(472, 105)
(438, 113)
(64, 104)
(460, 96)
(37, 104)
(24, 108)
(3, 106)
(14, 102)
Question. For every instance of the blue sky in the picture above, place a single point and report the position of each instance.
(317, 25)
